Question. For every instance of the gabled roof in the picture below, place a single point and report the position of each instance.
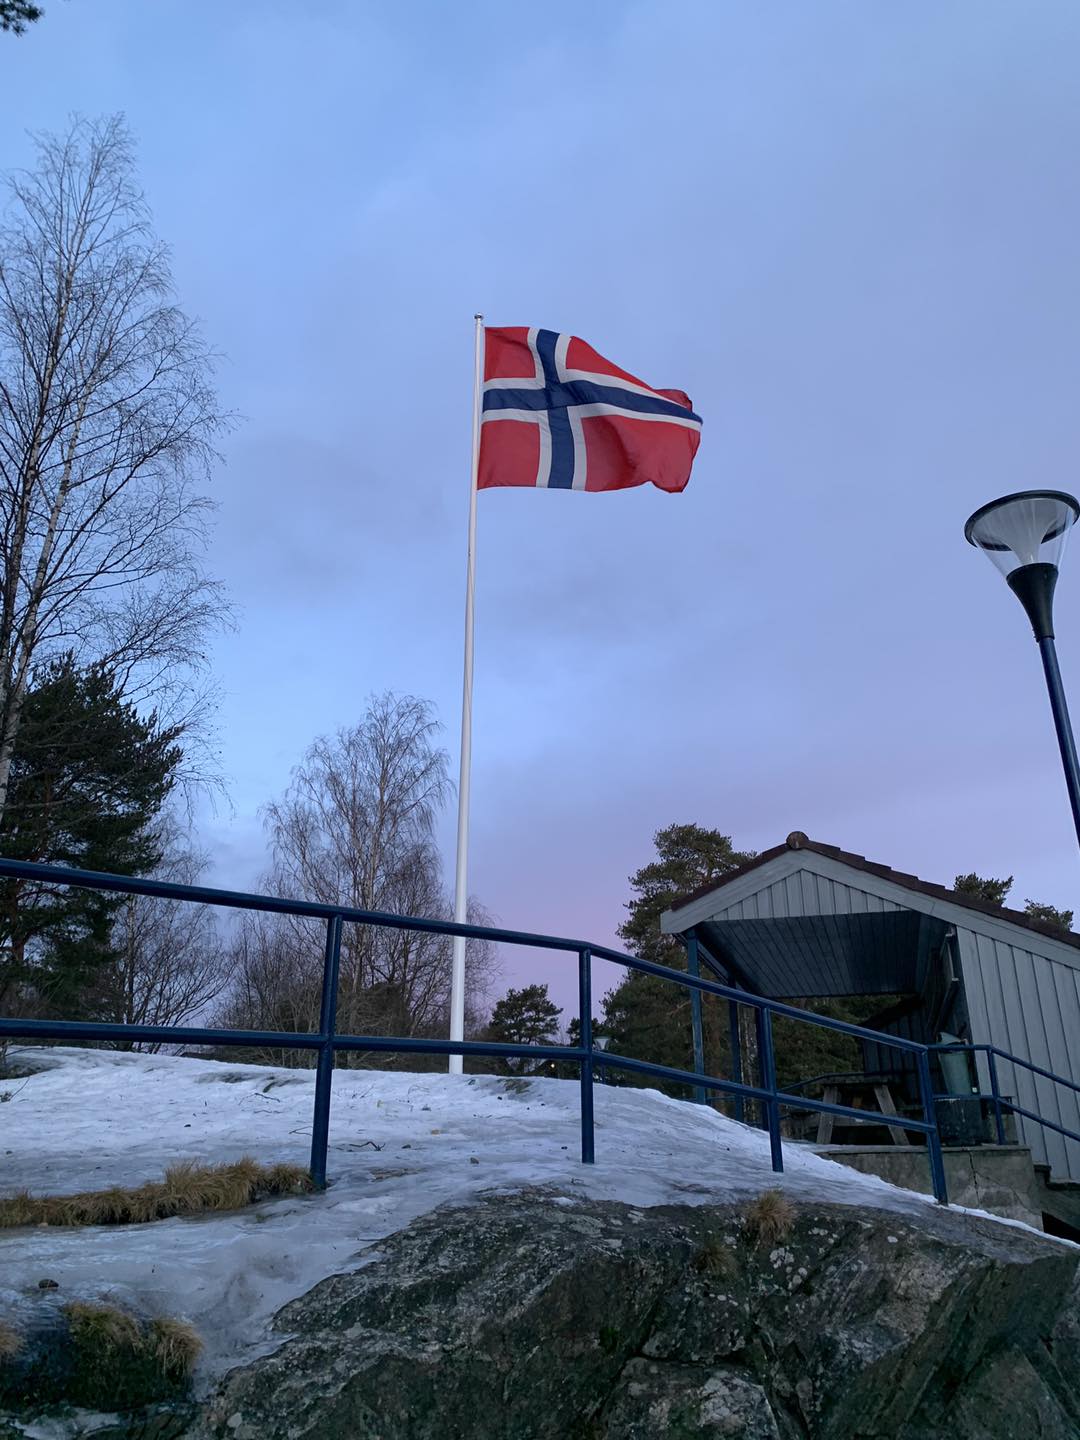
(798, 841)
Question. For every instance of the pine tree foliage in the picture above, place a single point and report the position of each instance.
(687, 858)
(527, 1016)
(87, 780)
(15, 15)
(994, 892)
(647, 1017)
(1061, 919)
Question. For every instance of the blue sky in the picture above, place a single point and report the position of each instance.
(848, 230)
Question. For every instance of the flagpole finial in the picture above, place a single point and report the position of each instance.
(478, 316)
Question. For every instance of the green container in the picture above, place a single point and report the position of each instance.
(956, 1068)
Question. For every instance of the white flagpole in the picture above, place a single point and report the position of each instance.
(461, 880)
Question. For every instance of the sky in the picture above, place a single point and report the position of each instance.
(847, 229)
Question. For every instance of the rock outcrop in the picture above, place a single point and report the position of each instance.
(534, 1316)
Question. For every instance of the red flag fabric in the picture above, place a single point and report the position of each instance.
(558, 416)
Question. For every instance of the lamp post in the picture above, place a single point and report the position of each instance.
(1024, 536)
(601, 1042)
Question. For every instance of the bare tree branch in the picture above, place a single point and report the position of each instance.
(356, 828)
(170, 961)
(107, 425)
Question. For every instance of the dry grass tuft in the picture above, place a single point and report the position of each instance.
(187, 1189)
(770, 1218)
(19, 1207)
(715, 1259)
(119, 1361)
(103, 1329)
(288, 1180)
(175, 1346)
(10, 1342)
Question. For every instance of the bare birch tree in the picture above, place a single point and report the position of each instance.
(276, 973)
(107, 421)
(170, 963)
(356, 828)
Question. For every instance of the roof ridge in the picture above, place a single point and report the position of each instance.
(799, 840)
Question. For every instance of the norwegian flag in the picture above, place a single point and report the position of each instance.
(558, 416)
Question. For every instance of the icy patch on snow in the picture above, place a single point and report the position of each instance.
(400, 1145)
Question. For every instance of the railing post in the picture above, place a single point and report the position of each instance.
(324, 1072)
(588, 1154)
(694, 968)
(933, 1136)
(768, 1078)
(991, 1060)
(736, 1055)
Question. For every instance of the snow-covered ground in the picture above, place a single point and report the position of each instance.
(400, 1144)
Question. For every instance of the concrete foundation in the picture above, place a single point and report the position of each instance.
(997, 1178)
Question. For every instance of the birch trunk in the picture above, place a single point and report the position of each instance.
(107, 419)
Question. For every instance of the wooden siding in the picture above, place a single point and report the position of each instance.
(852, 954)
(1028, 1004)
(804, 893)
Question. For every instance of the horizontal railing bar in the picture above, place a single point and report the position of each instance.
(803, 1102)
(278, 1039)
(1039, 1120)
(271, 904)
(171, 1034)
(860, 1077)
(756, 1002)
(606, 1059)
(753, 1092)
(302, 1040)
(274, 905)
(415, 1045)
(1017, 1109)
(1013, 1060)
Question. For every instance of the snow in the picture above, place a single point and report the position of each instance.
(400, 1145)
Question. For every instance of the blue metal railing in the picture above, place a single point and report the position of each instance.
(1001, 1102)
(327, 1042)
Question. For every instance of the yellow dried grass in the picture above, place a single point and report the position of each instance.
(10, 1341)
(175, 1346)
(102, 1328)
(715, 1259)
(770, 1218)
(117, 1359)
(187, 1189)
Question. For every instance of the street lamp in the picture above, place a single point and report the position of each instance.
(601, 1042)
(1024, 535)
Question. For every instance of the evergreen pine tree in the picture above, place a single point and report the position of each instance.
(88, 777)
(994, 892)
(524, 1017)
(649, 1018)
(1062, 919)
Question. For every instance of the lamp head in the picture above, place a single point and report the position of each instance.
(1024, 536)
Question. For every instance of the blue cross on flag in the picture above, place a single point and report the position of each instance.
(558, 416)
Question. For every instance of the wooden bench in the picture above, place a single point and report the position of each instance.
(852, 1091)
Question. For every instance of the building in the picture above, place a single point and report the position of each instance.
(810, 920)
